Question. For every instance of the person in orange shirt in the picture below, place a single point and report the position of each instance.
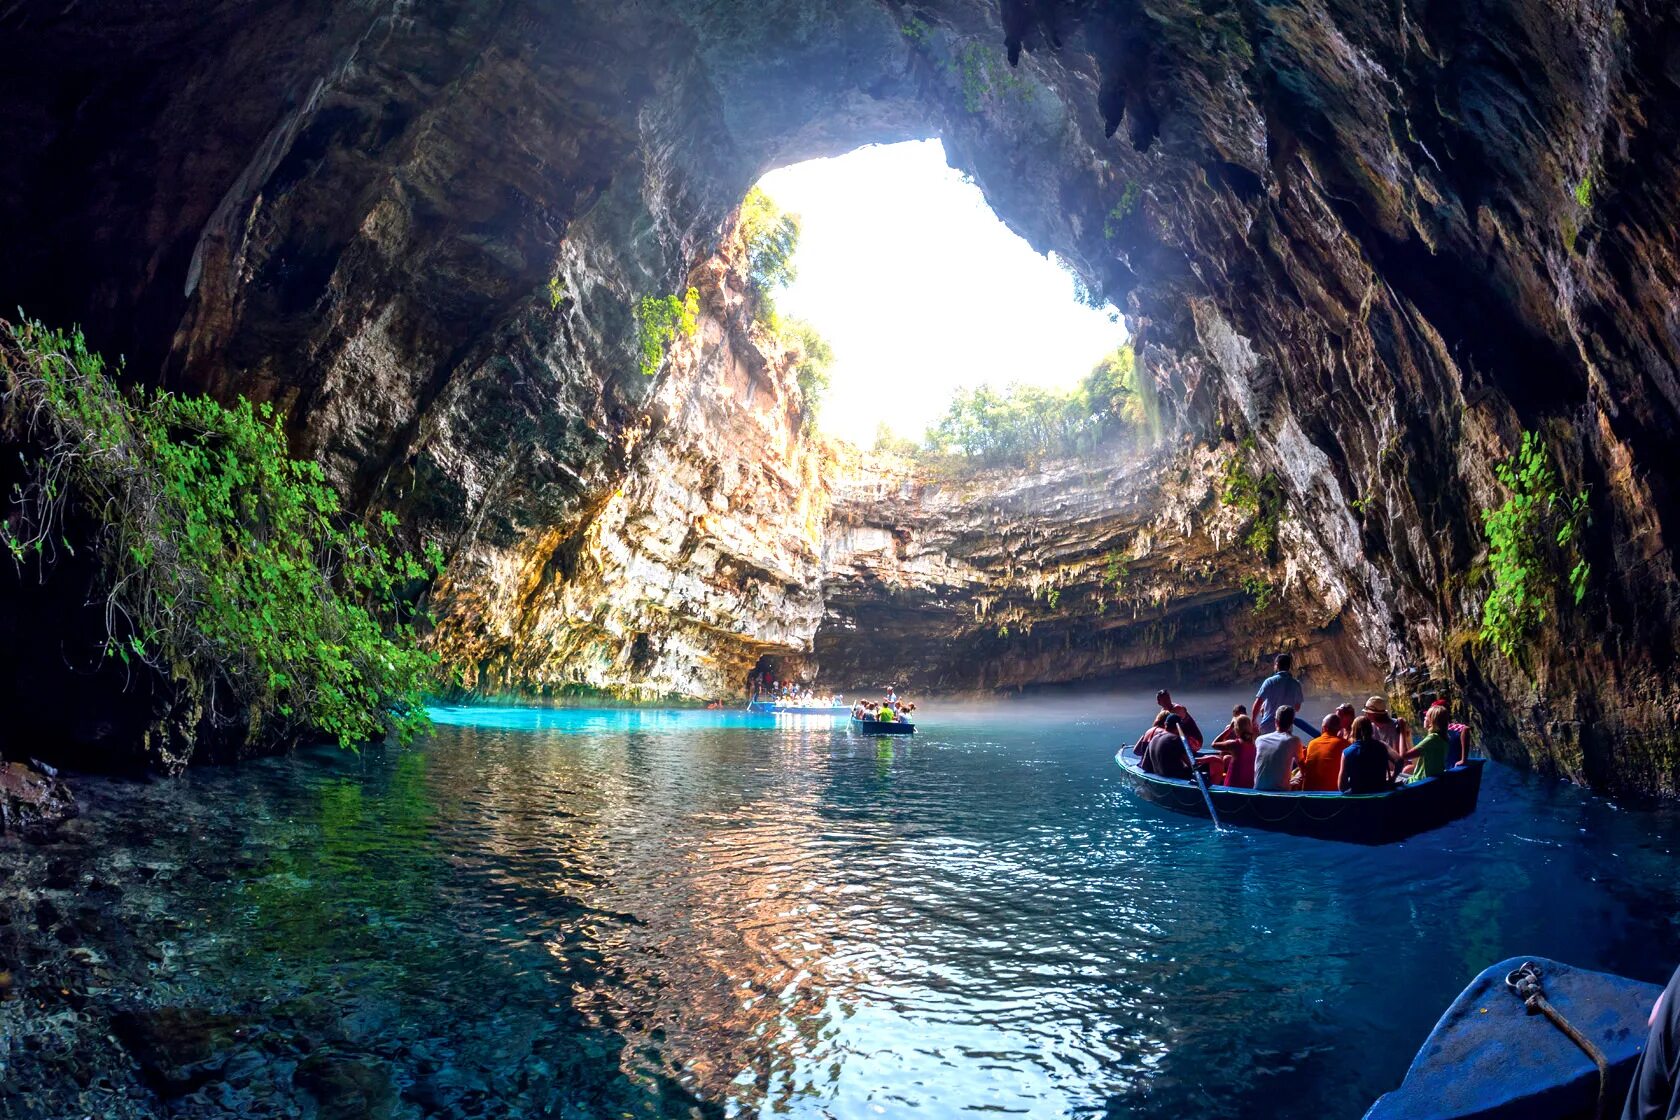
(1321, 765)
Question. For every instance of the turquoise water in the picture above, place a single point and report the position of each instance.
(591, 913)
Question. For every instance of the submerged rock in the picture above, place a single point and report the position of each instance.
(347, 1088)
(178, 1048)
(32, 800)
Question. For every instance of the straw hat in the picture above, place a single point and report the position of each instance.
(1376, 705)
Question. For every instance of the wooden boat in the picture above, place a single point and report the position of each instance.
(770, 708)
(1491, 1059)
(1373, 818)
(884, 727)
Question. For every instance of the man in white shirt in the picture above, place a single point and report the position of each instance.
(1276, 755)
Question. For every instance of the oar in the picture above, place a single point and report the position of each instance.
(1201, 783)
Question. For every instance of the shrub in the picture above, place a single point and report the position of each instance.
(1260, 497)
(1260, 590)
(1130, 195)
(220, 555)
(1023, 421)
(1534, 547)
(770, 237)
(811, 371)
(660, 321)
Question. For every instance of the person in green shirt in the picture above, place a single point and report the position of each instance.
(1429, 755)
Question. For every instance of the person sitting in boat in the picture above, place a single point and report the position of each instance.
(1345, 716)
(1154, 729)
(1279, 690)
(1237, 744)
(1655, 1092)
(1428, 758)
(1231, 728)
(1365, 764)
(1391, 732)
(1167, 755)
(1277, 753)
(1458, 735)
(1192, 733)
(1321, 762)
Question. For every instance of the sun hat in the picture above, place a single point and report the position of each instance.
(1378, 705)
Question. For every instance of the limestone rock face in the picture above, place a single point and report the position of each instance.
(1364, 247)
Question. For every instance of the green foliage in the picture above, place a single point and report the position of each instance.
(770, 237)
(811, 373)
(983, 76)
(886, 440)
(556, 293)
(1024, 421)
(981, 73)
(1534, 548)
(1053, 597)
(1115, 569)
(1082, 291)
(1262, 498)
(660, 321)
(221, 556)
(1260, 590)
(1584, 192)
(1129, 199)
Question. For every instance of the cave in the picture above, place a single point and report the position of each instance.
(1361, 254)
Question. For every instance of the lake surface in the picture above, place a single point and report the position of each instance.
(576, 913)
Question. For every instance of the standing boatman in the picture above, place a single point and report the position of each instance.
(1280, 690)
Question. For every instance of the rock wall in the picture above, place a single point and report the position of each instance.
(1363, 246)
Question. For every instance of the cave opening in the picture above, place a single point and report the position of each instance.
(934, 317)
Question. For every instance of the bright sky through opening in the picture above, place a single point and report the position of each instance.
(922, 290)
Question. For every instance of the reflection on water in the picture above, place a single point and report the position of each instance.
(710, 913)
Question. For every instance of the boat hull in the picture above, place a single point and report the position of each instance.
(1489, 1059)
(880, 727)
(1378, 818)
(764, 708)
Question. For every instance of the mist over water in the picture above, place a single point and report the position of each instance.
(654, 912)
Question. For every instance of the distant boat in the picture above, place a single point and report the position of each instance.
(1489, 1058)
(1371, 818)
(770, 708)
(884, 726)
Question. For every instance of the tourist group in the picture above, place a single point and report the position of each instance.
(1269, 747)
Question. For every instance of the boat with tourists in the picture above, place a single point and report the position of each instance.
(891, 716)
(1358, 818)
(884, 726)
(1511, 1046)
